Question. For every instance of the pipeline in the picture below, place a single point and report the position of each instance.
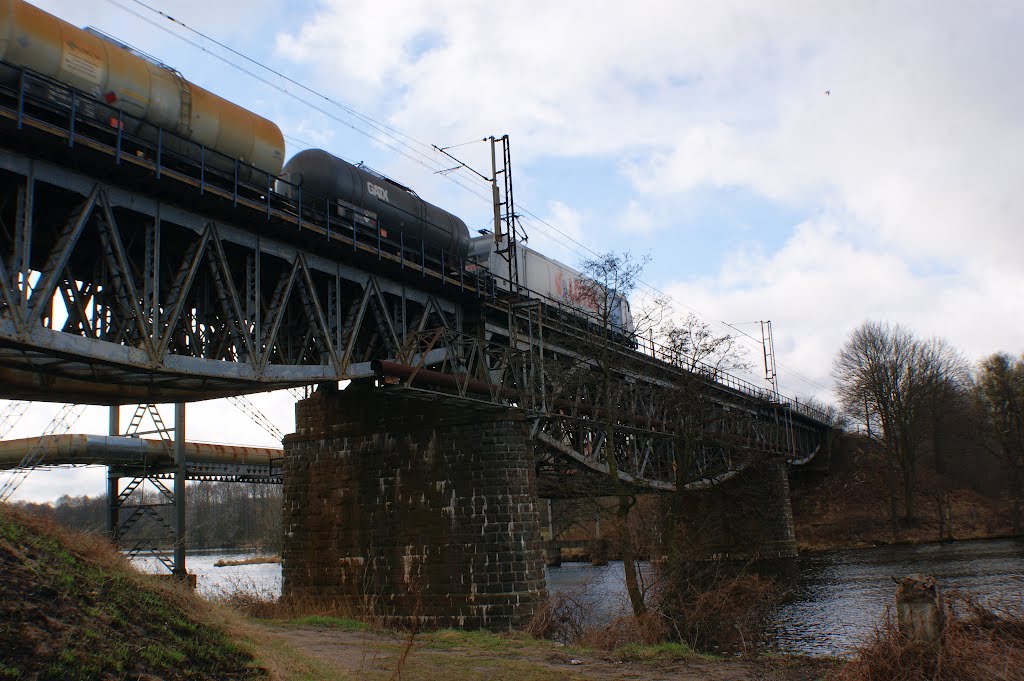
(61, 450)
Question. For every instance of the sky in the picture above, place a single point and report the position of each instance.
(813, 163)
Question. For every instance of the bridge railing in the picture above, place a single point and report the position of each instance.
(663, 353)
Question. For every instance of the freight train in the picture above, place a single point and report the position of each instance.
(155, 98)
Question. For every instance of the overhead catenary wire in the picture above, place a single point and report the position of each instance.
(413, 155)
(378, 125)
(412, 149)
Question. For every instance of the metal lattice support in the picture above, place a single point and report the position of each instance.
(10, 416)
(142, 513)
(61, 423)
(126, 289)
(245, 405)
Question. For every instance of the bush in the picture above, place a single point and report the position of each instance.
(561, 618)
(716, 608)
(647, 629)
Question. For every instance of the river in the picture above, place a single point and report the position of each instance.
(834, 599)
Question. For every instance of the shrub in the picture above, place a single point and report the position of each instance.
(647, 629)
(561, 618)
(717, 608)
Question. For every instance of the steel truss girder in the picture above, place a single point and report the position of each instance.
(107, 296)
(664, 433)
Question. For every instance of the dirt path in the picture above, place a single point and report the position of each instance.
(377, 655)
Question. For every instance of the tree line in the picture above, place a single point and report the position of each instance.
(914, 396)
(217, 515)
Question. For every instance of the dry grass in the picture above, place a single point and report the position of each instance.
(979, 643)
(561, 618)
(252, 602)
(718, 609)
(649, 629)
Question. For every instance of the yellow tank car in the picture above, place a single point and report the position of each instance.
(33, 39)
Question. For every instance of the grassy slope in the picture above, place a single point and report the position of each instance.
(71, 608)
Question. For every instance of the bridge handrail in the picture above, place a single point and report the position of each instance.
(660, 352)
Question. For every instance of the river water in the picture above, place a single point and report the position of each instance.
(834, 600)
(837, 598)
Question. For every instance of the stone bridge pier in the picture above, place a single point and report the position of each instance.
(407, 509)
(749, 517)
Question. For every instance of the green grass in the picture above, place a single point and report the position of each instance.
(325, 622)
(636, 652)
(446, 639)
(116, 623)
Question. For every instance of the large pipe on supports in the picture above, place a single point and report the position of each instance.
(63, 450)
(429, 377)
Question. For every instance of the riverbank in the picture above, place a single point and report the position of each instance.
(850, 507)
(72, 607)
(346, 649)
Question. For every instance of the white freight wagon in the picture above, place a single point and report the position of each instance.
(549, 279)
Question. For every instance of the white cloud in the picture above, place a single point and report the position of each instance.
(636, 219)
(819, 286)
(918, 139)
(558, 238)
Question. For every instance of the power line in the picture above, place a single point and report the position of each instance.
(377, 125)
(423, 159)
(415, 155)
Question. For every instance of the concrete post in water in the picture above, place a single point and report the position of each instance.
(919, 614)
(552, 548)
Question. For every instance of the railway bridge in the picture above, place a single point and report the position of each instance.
(143, 268)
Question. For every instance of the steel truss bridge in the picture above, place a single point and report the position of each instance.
(141, 268)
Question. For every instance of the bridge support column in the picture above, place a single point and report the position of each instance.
(412, 510)
(179, 489)
(113, 479)
(746, 518)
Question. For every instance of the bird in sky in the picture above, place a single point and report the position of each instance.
(828, 92)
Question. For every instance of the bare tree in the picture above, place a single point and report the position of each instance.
(604, 352)
(1000, 392)
(694, 346)
(885, 374)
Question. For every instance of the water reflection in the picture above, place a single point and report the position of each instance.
(599, 589)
